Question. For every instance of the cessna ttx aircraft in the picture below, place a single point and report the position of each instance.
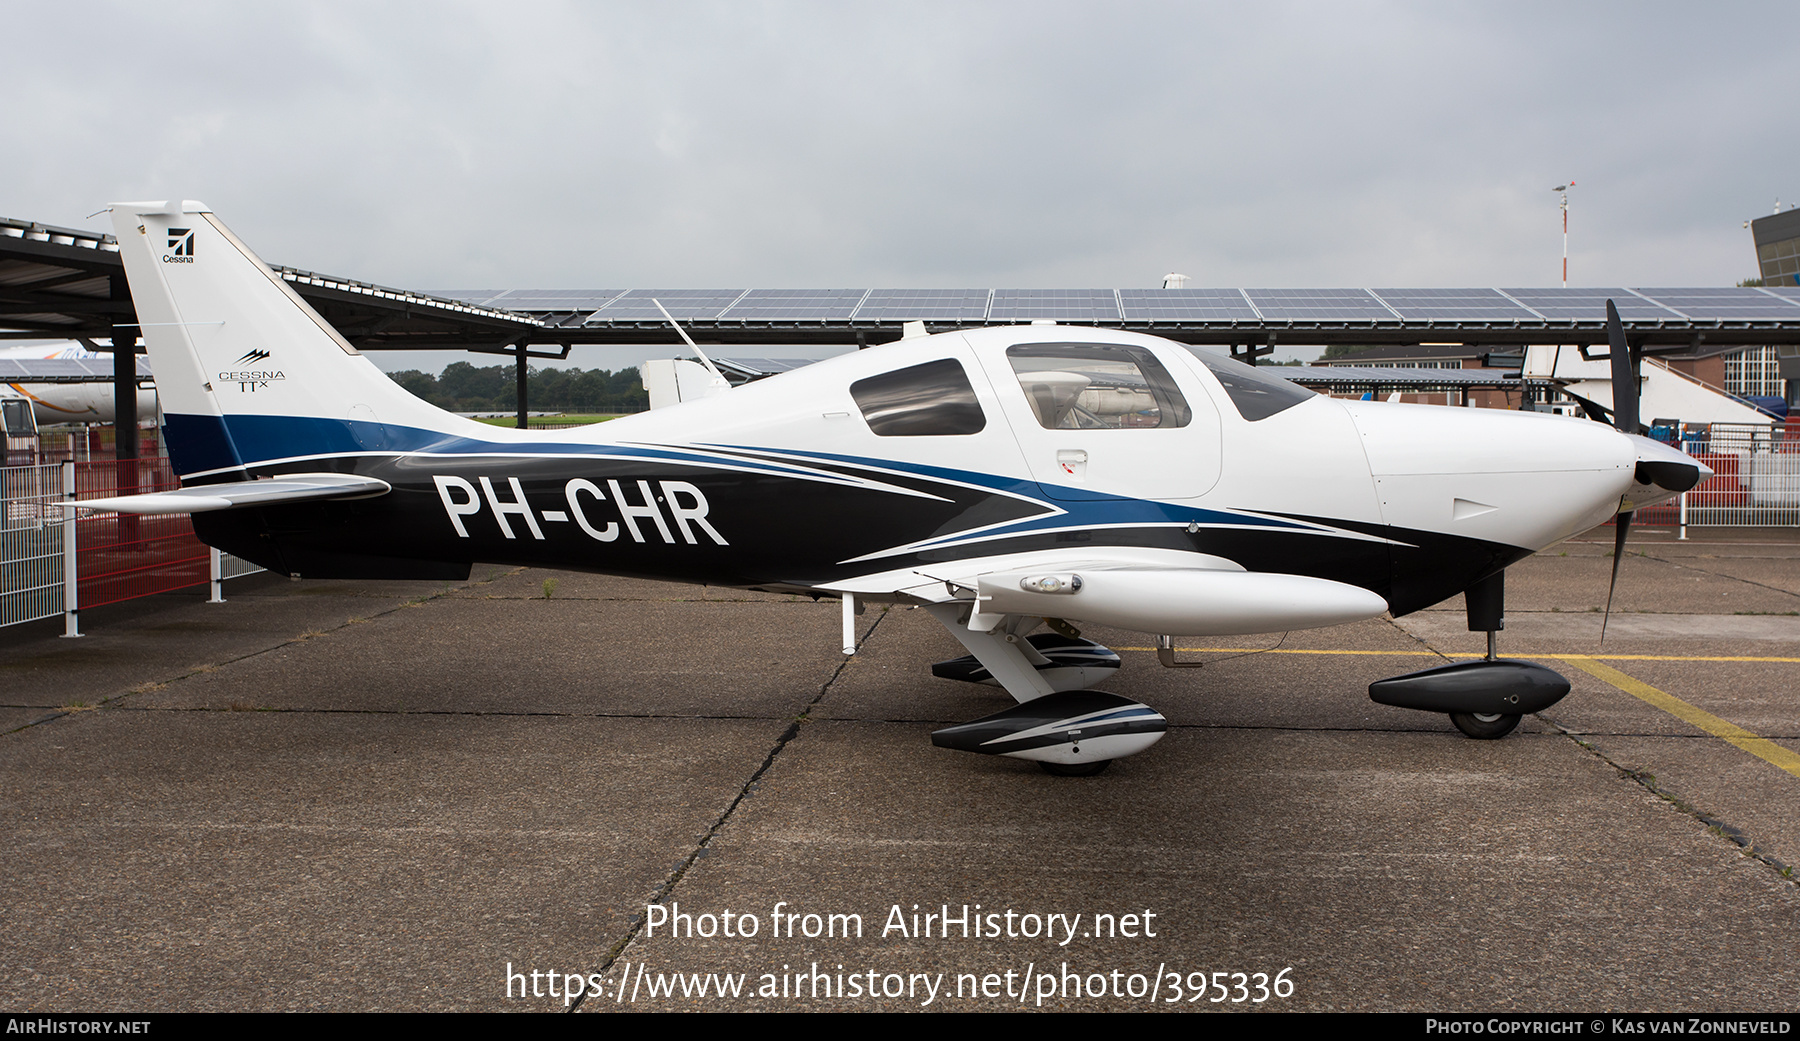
(999, 478)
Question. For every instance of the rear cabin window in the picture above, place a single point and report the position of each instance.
(1097, 386)
(920, 401)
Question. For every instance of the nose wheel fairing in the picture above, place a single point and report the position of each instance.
(1490, 687)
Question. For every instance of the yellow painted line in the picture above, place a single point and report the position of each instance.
(1649, 657)
(1256, 650)
(1469, 654)
(1761, 747)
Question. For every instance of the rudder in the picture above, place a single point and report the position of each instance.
(247, 371)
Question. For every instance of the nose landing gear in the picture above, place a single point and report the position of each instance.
(1484, 726)
(1485, 699)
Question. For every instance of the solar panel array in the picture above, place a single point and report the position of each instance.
(1109, 306)
(1455, 305)
(63, 370)
(1057, 305)
(1348, 376)
(540, 299)
(1319, 305)
(639, 305)
(796, 305)
(1188, 305)
(1704, 304)
(762, 366)
(1587, 304)
(929, 305)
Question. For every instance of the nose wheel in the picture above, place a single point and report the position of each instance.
(1075, 769)
(1484, 699)
(1484, 726)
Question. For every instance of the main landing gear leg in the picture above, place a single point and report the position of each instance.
(1001, 651)
(1067, 732)
(1485, 699)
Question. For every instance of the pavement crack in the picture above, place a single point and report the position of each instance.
(1718, 574)
(1420, 640)
(700, 849)
(1646, 780)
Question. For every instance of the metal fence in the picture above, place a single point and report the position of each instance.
(33, 538)
(53, 562)
(1755, 482)
(60, 444)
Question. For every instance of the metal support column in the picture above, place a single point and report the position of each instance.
(520, 377)
(71, 568)
(125, 413)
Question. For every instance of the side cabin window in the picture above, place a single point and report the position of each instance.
(921, 400)
(1097, 386)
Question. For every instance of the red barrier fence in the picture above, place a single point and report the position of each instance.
(120, 556)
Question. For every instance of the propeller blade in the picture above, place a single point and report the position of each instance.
(1625, 420)
(1624, 374)
(1621, 524)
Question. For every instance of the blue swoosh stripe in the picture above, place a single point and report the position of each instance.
(1070, 512)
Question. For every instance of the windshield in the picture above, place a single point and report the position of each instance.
(1258, 393)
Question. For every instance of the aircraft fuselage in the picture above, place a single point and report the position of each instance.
(784, 484)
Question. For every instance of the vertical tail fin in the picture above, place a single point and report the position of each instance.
(247, 370)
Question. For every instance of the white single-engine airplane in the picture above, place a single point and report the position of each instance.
(999, 478)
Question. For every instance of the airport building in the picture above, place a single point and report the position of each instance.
(1746, 372)
(1778, 248)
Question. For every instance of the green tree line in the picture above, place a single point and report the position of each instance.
(462, 387)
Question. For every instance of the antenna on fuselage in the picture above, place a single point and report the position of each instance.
(714, 369)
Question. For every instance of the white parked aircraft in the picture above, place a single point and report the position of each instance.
(999, 478)
(69, 402)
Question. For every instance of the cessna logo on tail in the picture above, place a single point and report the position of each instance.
(250, 380)
(686, 506)
(250, 356)
(181, 244)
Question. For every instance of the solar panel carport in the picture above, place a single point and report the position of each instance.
(1299, 317)
(68, 283)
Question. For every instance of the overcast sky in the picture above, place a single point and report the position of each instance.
(1044, 144)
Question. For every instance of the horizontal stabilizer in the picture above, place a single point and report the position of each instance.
(281, 491)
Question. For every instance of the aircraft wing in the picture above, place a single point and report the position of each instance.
(1154, 591)
(280, 491)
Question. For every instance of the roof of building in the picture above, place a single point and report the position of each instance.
(66, 283)
(1777, 227)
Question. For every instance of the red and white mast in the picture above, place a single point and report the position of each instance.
(1564, 189)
